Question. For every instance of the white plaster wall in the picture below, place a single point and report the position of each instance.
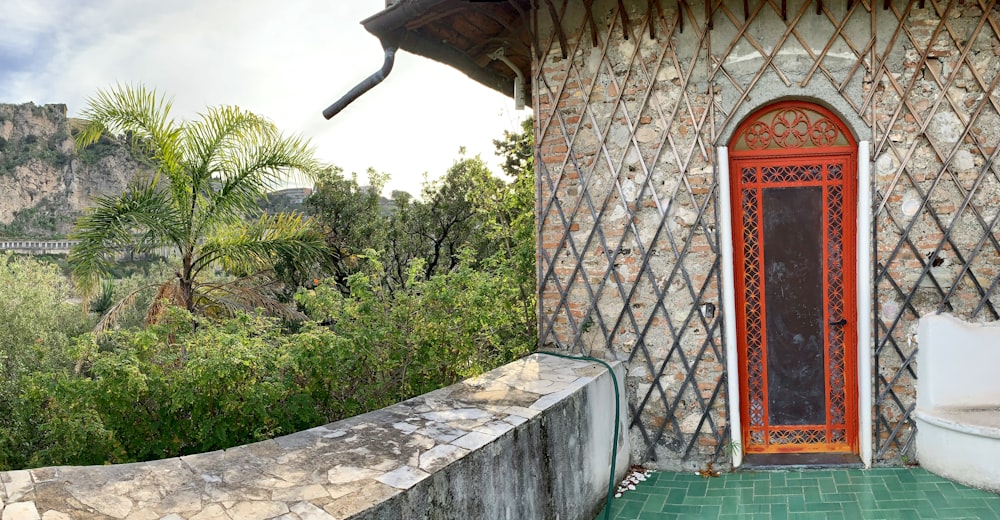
(957, 363)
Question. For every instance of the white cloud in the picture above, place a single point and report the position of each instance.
(286, 60)
(23, 22)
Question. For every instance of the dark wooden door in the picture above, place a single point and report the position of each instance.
(793, 176)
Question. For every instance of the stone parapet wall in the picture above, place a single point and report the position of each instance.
(531, 439)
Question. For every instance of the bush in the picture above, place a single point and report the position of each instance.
(428, 335)
(140, 401)
(245, 379)
(37, 324)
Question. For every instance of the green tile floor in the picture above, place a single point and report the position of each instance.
(888, 493)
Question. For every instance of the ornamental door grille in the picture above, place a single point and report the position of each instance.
(794, 197)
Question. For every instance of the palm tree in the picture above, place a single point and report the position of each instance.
(198, 196)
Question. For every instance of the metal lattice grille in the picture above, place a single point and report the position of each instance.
(835, 306)
(937, 191)
(631, 96)
(629, 253)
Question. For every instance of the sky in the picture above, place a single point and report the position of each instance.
(285, 60)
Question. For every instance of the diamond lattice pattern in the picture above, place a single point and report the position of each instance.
(632, 96)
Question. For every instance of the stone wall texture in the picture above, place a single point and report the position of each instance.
(631, 100)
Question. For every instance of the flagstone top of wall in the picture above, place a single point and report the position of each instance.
(489, 446)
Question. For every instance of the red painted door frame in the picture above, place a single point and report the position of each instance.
(790, 159)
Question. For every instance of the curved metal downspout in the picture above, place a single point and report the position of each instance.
(499, 54)
(369, 82)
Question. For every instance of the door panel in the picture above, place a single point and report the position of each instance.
(795, 298)
(793, 295)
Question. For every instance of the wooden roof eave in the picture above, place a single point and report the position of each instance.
(443, 53)
(401, 21)
(415, 26)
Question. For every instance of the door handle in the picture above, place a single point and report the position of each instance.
(842, 321)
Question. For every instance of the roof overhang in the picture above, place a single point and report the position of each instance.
(464, 34)
(488, 40)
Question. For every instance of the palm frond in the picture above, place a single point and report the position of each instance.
(112, 226)
(110, 318)
(258, 246)
(139, 112)
(254, 161)
(167, 295)
(211, 141)
(246, 294)
(104, 297)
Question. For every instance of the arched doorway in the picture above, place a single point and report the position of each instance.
(793, 182)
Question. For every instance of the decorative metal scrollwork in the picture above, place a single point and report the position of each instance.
(823, 133)
(758, 136)
(791, 127)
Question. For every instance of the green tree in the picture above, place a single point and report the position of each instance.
(424, 335)
(510, 216)
(351, 216)
(444, 222)
(36, 316)
(200, 199)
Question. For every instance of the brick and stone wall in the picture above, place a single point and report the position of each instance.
(630, 106)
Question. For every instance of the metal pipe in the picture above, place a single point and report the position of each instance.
(367, 84)
(518, 80)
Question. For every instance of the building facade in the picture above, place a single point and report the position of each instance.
(749, 203)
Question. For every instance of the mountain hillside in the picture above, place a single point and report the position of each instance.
(44, 182)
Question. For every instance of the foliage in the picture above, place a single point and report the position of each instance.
(31, 148)
(431, 333)
(40, 221)
(418, 297)
(351, 216)
(37, 324)
(104, 146)
(36, 318)
(510, 215)
(139, 402)
(245, 380)
(446, 220)
(207, 176)
(133, 280)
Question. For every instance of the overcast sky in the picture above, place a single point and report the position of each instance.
(286, 60)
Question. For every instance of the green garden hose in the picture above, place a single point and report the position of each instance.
(614, 440)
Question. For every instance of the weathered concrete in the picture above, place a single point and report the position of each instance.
(531, 439)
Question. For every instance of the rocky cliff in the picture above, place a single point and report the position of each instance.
(45, 183)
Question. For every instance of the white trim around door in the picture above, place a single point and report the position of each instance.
(864, 304)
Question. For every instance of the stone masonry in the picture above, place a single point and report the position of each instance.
(632, 98)
(488, 447)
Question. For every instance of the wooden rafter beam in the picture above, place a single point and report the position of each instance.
(680, 16)
(557, 23)
(649, 16)
(588, 6)
(624, 16)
